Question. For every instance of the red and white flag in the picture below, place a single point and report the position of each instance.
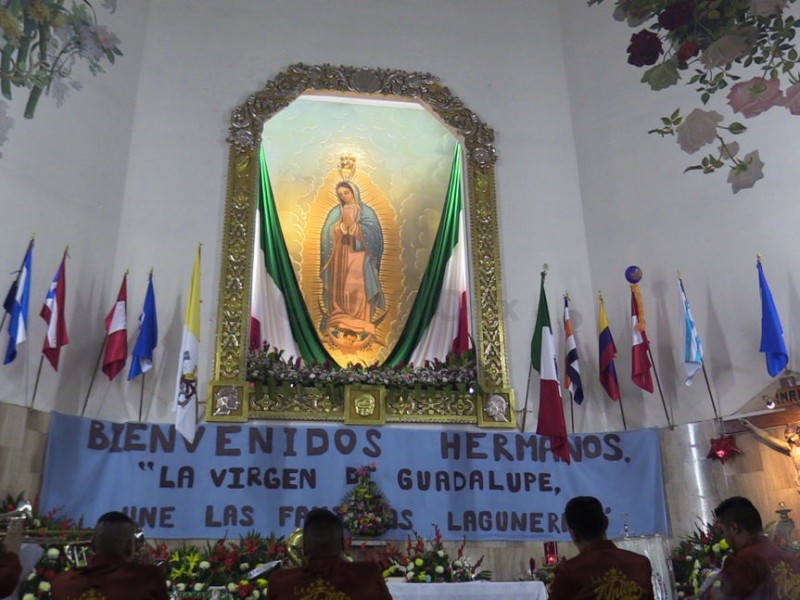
(640, 361)
(116, 352)
(53, 314)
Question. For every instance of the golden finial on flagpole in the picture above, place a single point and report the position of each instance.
(566, 295)
(758, 256)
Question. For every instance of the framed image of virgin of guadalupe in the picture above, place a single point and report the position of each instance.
(360, 250)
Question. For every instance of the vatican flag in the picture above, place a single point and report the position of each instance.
(186, 389)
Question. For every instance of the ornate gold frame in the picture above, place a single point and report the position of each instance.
(233, 308)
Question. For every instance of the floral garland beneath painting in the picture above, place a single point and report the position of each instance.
(745, 47)
(269, 366)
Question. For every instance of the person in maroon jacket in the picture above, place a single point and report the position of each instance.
(601, 570)
(10, 565)
(757, 569)
(327, 574)
(112, 574)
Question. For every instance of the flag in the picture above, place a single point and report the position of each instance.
(16, 305)
(53, 314)
(608, 351)
(572, 375)
(772, 344)
(269, 312)
(640, 361)
(185, 405)
(116, 352)
(142, 355)
(543, 358)
(693, 348)
(448, 328)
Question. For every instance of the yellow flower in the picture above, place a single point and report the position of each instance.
(723, 544)
(419, 562)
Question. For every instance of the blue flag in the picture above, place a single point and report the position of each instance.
(142, 355)
(16, 305)
(772, 343)
(693, 348)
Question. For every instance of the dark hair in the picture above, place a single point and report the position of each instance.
(113, 532)
(741, 511)
(323, 533)
(585, 516)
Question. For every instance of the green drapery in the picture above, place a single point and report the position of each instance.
(430, 288)
(279, 268)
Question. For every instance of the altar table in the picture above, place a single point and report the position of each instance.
(510, 590)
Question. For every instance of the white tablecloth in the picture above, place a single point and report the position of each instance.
(512, 590)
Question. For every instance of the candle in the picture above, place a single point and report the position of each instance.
(551, 553)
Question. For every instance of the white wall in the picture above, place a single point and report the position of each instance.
(63, 178)
(131, 173)
(639, 209)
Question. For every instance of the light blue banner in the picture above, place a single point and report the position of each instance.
(485, 485)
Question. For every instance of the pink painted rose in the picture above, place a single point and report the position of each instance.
(755, 96)
(765, 8)
(745, 175)
(791, 99)
(698, 129)
(724, 51)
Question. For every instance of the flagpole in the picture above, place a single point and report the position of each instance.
(708, 386)
(658, 384)
(622, 412)
(94, 375)
(38, 375)
(527, 395)
(141, 397)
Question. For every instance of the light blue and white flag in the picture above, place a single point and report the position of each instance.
(693, 348)
(16, 305)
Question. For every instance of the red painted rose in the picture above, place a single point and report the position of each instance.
(676, 15)
(687, 50)
(644, 49)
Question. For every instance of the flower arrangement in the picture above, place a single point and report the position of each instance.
(49, 524)
(427, 561)
(39, 582)
(192, 572)
(364, 509)
(270, 366)
(698, 557)
(744, 46)
(42, 41)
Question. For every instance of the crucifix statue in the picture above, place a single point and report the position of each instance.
(790, 445)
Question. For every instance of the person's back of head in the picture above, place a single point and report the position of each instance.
(586, 519)
(739, 510)
(323, 534)
(114, 534)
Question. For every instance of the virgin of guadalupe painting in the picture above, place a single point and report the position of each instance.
(359, 201)
(351, 250)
